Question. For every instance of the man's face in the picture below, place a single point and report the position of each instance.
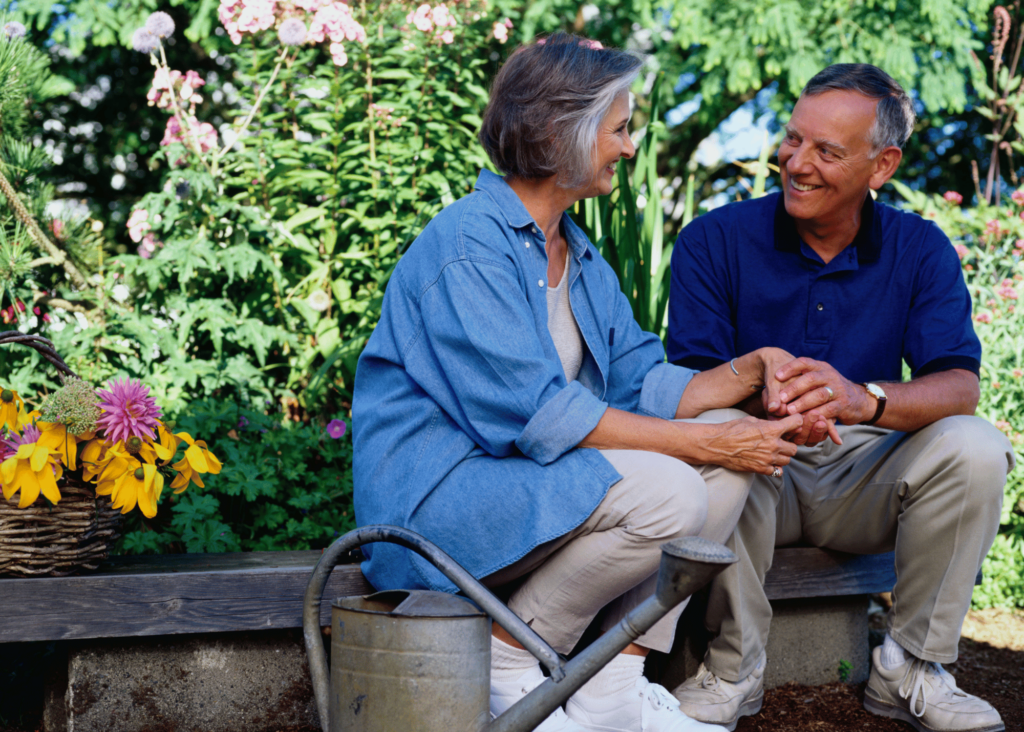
(825, 156)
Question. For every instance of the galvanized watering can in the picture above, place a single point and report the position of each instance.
(417, 661)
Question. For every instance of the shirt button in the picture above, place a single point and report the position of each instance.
(540, 283)
(527, 245)
(533, 229)
(821, 306)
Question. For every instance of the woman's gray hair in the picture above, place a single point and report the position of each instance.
(894, 115)
(547, 103)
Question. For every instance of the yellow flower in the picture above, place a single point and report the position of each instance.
(34, 468)
(104, 464)
(55, 436)
(198, 459)
(140, 484)
(10, 405)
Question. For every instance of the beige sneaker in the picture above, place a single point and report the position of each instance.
(924, 695)
(710, 699)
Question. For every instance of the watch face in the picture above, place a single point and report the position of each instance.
(875, 390)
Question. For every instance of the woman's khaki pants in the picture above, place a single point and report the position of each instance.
(611, 559)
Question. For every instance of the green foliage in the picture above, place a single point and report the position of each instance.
(271, 242)
(845, 669)
(283, 486)
(987, 238)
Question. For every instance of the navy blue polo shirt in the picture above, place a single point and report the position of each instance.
(743, 279)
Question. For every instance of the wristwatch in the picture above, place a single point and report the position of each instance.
(876, 391)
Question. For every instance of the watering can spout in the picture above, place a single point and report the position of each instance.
(686, 566)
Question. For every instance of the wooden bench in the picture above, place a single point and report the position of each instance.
(208, 593)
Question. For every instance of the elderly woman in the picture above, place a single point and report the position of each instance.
(510, 409)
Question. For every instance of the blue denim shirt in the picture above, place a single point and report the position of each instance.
(464, 427)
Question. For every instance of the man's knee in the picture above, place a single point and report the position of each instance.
(976, 451)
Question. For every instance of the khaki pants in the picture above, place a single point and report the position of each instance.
(611, 560)
(933, 495)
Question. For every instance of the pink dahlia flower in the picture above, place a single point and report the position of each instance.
(128, 411)
(10, 446)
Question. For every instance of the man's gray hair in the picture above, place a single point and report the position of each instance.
(894, 115)
(546, 107)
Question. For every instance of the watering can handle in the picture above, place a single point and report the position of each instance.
(451, 569)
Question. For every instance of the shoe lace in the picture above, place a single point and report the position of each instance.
(914, 686)
(706, 678)
(659, 697)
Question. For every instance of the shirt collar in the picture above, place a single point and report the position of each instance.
(518, 217)
(867, 242)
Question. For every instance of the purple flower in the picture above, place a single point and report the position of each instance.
(160, 24)
(336, 428)
(128, 410)
(10, 446)
(292, 32)
(14, 29)
(145, 42)
(242, 422)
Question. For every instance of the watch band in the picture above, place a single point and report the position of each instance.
(879, 409)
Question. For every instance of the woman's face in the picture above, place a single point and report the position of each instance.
(613, 143)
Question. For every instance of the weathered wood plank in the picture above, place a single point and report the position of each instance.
(200, 593)
(811, 572)
(167, 595)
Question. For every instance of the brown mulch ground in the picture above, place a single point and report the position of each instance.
(991, 665)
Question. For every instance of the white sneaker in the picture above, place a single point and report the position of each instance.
(924, 694)
(711, 699)
(506, 693)
(646, 707)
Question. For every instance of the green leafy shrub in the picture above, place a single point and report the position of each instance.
(284, 485)
(990, 242)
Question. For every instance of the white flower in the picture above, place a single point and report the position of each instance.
(319, 301)
(160, 24)
(120, 293)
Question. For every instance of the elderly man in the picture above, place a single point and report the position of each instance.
(855, 288)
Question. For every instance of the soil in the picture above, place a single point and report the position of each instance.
(991, 665)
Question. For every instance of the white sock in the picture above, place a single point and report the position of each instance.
(893, 654)
(618, 676)
(509, 663)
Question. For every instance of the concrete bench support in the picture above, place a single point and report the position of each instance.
(219, 674)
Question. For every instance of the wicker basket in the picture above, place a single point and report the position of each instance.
(55, 540)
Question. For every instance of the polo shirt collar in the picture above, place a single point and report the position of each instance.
(518, 217)
(867, 242)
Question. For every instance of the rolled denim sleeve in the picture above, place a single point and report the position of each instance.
(663, 388)
(494, 377)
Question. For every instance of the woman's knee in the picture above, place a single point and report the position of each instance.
(666, 498)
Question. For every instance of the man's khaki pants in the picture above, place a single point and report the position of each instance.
(933, 495)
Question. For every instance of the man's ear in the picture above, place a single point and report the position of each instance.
(886, 163)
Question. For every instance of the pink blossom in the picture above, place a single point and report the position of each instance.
(961, 250)
(205, 134)
(128, 410)
(442, 17)
(1002, 424)
(335, 21)
(338, 54)
(1017, 373)
(246, 16)
(592, 45)
(953, 197)
(1007, 292)
(500, 32)
(138, 224)
(1019, 244)
(983, 317)
(421, 18)
(163, 81)
(508, 23)
(1017, 197)
(148, 246)
(336, 428)
(992, 227)
(448, 37)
